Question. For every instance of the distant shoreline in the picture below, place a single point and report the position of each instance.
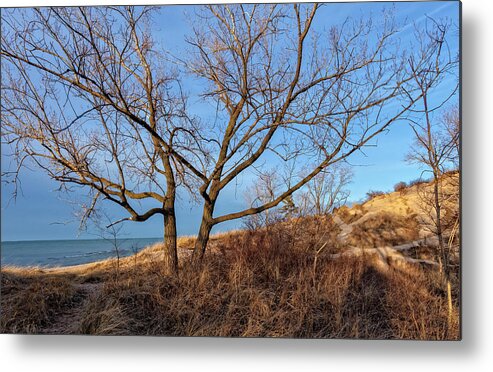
(69, 252)
(68, 240)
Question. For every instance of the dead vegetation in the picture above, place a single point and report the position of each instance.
(384, 229)
(31, 300)
(265, 288)
(255, 284)
(350, 215)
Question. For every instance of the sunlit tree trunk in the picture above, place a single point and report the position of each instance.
(204, 233)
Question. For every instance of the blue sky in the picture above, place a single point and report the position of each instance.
(41, 212)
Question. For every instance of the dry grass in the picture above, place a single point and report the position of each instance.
(264, 288)
(260, 290)
(383, 229)
(32, 299)
(350, 215)
(257, 284)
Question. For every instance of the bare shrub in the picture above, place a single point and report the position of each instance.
(418, 182)
(260, 284)
(400, 187)
(350, 215)
(373, 194)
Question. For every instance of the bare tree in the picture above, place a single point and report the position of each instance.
(435, 143)
(263, 191)
(86, 97)
(326, 191)
(451, 122)
(291, 96)
(110, 233)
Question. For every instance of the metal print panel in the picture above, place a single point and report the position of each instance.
(239, 170)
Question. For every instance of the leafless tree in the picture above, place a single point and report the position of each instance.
(326, 191)
(267, 185)
(435, 142)
(263, 191)
(87, 97)
(109, 232)
(291, 96)
(451, 122)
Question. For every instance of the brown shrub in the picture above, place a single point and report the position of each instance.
(259, 284)
(421, 297)
(357, 211)
(373, 194)
(400, 186)
(417, 182)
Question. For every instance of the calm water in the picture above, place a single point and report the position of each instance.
(67, 252)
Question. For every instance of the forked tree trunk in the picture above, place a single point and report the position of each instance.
(170, 252)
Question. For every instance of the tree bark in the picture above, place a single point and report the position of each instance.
(438, 224)
(204, 233)
(170, 253)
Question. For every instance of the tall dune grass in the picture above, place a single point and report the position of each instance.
(267, 283)
(265, 287)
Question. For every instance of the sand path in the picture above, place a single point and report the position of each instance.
(68, 321)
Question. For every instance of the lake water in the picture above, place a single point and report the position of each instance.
(50, 253)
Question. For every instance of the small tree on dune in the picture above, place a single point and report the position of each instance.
(436, 144)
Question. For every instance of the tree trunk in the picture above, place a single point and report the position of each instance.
(170, 252)
(450, 308)
(444, 261)
(204, 234)
(438, 210)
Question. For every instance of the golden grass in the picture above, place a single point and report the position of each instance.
(407, 201)
(264, 289)
(384, 229)
(31, 299)
(260, 284)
